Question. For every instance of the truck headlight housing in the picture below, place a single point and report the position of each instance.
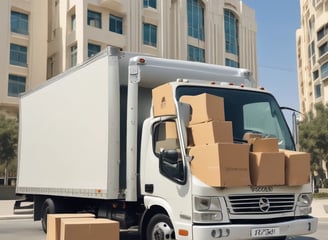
(207, 209)
(304, 204)
(304, 200)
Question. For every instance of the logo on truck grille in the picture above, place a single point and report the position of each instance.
(264, 204)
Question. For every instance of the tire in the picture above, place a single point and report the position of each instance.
(160, 228)
(48, 207)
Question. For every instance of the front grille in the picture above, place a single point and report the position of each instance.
(265, 204)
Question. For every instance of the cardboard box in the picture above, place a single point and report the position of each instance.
(167, 130)
(53, 223)
(167, 144)
(163, 101)
(247, 136)
(211, 132)
(221, 164)
(205, 107)
(264, 144)
(267, 169)
(87, 229)
(297, 167)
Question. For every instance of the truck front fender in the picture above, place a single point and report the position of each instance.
(153, 206)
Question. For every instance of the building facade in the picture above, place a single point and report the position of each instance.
(312, 54)
(45, 38)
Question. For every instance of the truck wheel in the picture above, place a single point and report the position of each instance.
(48, 207)
(160, 228)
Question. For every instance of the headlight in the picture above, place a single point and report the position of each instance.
(304, 200)
(207, 209)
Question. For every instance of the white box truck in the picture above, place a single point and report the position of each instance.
(87, 143)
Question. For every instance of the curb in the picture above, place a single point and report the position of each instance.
(16, 217)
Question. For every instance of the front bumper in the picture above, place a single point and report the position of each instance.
(243, 231)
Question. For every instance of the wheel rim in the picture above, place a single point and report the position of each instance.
(162, 231)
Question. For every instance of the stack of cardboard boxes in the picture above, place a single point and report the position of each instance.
(219, 162)
(81, 227)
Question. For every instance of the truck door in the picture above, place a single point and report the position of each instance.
(166, 180)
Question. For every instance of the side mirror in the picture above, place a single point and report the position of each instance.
(170, 165)
(168, 157)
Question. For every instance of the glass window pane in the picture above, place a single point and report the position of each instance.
(317, 91)
(196, 54)
(93, 49)
(324, 70)
(94, 19)
(231, 32)
(73, 56)
(19, 22)
(150, 34)
(150, 3)
(18, 55)
(195, 12)
(115, 24)
(16, 85)
(73, 22)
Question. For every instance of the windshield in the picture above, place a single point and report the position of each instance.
(249, 112)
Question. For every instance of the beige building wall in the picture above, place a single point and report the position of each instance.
(58, 28)
(312, 54)
(35, 41)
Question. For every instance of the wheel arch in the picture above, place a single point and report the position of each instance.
(153, 206)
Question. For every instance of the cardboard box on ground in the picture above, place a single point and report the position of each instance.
(80, 226)
(90, 228)
(54, 221)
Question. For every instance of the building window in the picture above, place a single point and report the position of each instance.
(115, 24)
(19, 22)
(73, 56)
(323, 49)
(93, 49)
(150, 3)
(231, 32)
(16, 85)
(322, 32)
(73, 22)
(315, 75)
(94, 19)
(150, 34)
(324, 70)
(196, 54)
(311, 52)
(195, 13)
(18, 55)
(231, 63)
(317, 91)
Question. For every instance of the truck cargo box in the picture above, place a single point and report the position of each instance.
(69, 134)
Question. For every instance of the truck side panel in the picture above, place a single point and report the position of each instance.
(65, 135)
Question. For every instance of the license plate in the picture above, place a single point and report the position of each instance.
(265, 232)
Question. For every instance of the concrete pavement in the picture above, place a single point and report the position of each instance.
(319, 210)
(7, 211)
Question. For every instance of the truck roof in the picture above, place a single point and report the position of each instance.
(153, 71)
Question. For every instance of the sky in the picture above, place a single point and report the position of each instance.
(277, 22)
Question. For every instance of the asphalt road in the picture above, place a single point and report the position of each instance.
(27, 229)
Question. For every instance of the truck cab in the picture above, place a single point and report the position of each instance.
(181, 206)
